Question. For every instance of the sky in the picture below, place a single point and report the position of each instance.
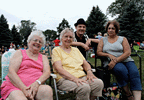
(47, 14)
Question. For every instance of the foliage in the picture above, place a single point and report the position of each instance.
(16, 36)
(64, 24)
(26, 28)
(130, 25)
(96, 21)
(50, 35)
(5, 34)
(118, 7)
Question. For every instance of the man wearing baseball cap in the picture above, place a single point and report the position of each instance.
(82, 41)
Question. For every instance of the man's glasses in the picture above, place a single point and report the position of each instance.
(36, 40)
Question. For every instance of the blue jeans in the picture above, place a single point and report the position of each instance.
(127, 72)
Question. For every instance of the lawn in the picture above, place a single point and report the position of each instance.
(92, 61)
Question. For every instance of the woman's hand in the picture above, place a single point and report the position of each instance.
(113, 58)
(34, 88)
(77, 81)
(90, 76)
(27, 93)
(111, 65)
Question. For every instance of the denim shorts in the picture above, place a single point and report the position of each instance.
(126, 72)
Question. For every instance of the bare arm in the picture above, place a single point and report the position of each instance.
(46, 74)
(86, 65)
(126, 51)
(100, 49)
(87, 68)
(85, 46)
(46, 70)
(95, 40)
(12, 74)
(15, 62)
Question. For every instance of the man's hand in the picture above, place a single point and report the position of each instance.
(85, 47)
(88, 42)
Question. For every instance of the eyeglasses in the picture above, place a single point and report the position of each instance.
(36, 40)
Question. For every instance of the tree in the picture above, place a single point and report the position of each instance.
(50, 35)
(64, 24)
(26, 28)
(130, 22)
(118, 7)
(96, 21)
(5, 34)
(16, 36)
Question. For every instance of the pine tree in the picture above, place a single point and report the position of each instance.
(96, 21)
(64, 24)
(130, 23)
(16, 36)
(5, 34)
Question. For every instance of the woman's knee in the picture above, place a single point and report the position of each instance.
(83, 92)
(45, 90)
(99, 83)
(16, 95)
(84, 88)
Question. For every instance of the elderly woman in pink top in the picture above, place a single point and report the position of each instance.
(28, 70)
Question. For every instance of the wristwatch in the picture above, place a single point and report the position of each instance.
(39, 82)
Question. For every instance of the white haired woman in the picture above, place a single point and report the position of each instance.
(69, 65)
(28, 70)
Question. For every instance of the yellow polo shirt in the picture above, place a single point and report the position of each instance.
(71, 62)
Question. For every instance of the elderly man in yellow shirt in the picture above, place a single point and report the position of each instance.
(69, 65)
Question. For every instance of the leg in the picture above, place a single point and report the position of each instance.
(16, 95)
(134, 77)
(135, 82)
(44, 93)
(96, 88)
(128, 93)
(121, 73)
(82, 91)
(137, 95)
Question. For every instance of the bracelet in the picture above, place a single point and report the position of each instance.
(39, 82)
(88, 70)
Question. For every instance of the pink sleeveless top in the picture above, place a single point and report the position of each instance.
(29, 71)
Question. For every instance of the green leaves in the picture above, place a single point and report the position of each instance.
(96, 22)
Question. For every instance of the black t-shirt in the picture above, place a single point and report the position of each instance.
(82, 50)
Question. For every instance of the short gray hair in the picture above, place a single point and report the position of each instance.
(66, 30)
(37, 33)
